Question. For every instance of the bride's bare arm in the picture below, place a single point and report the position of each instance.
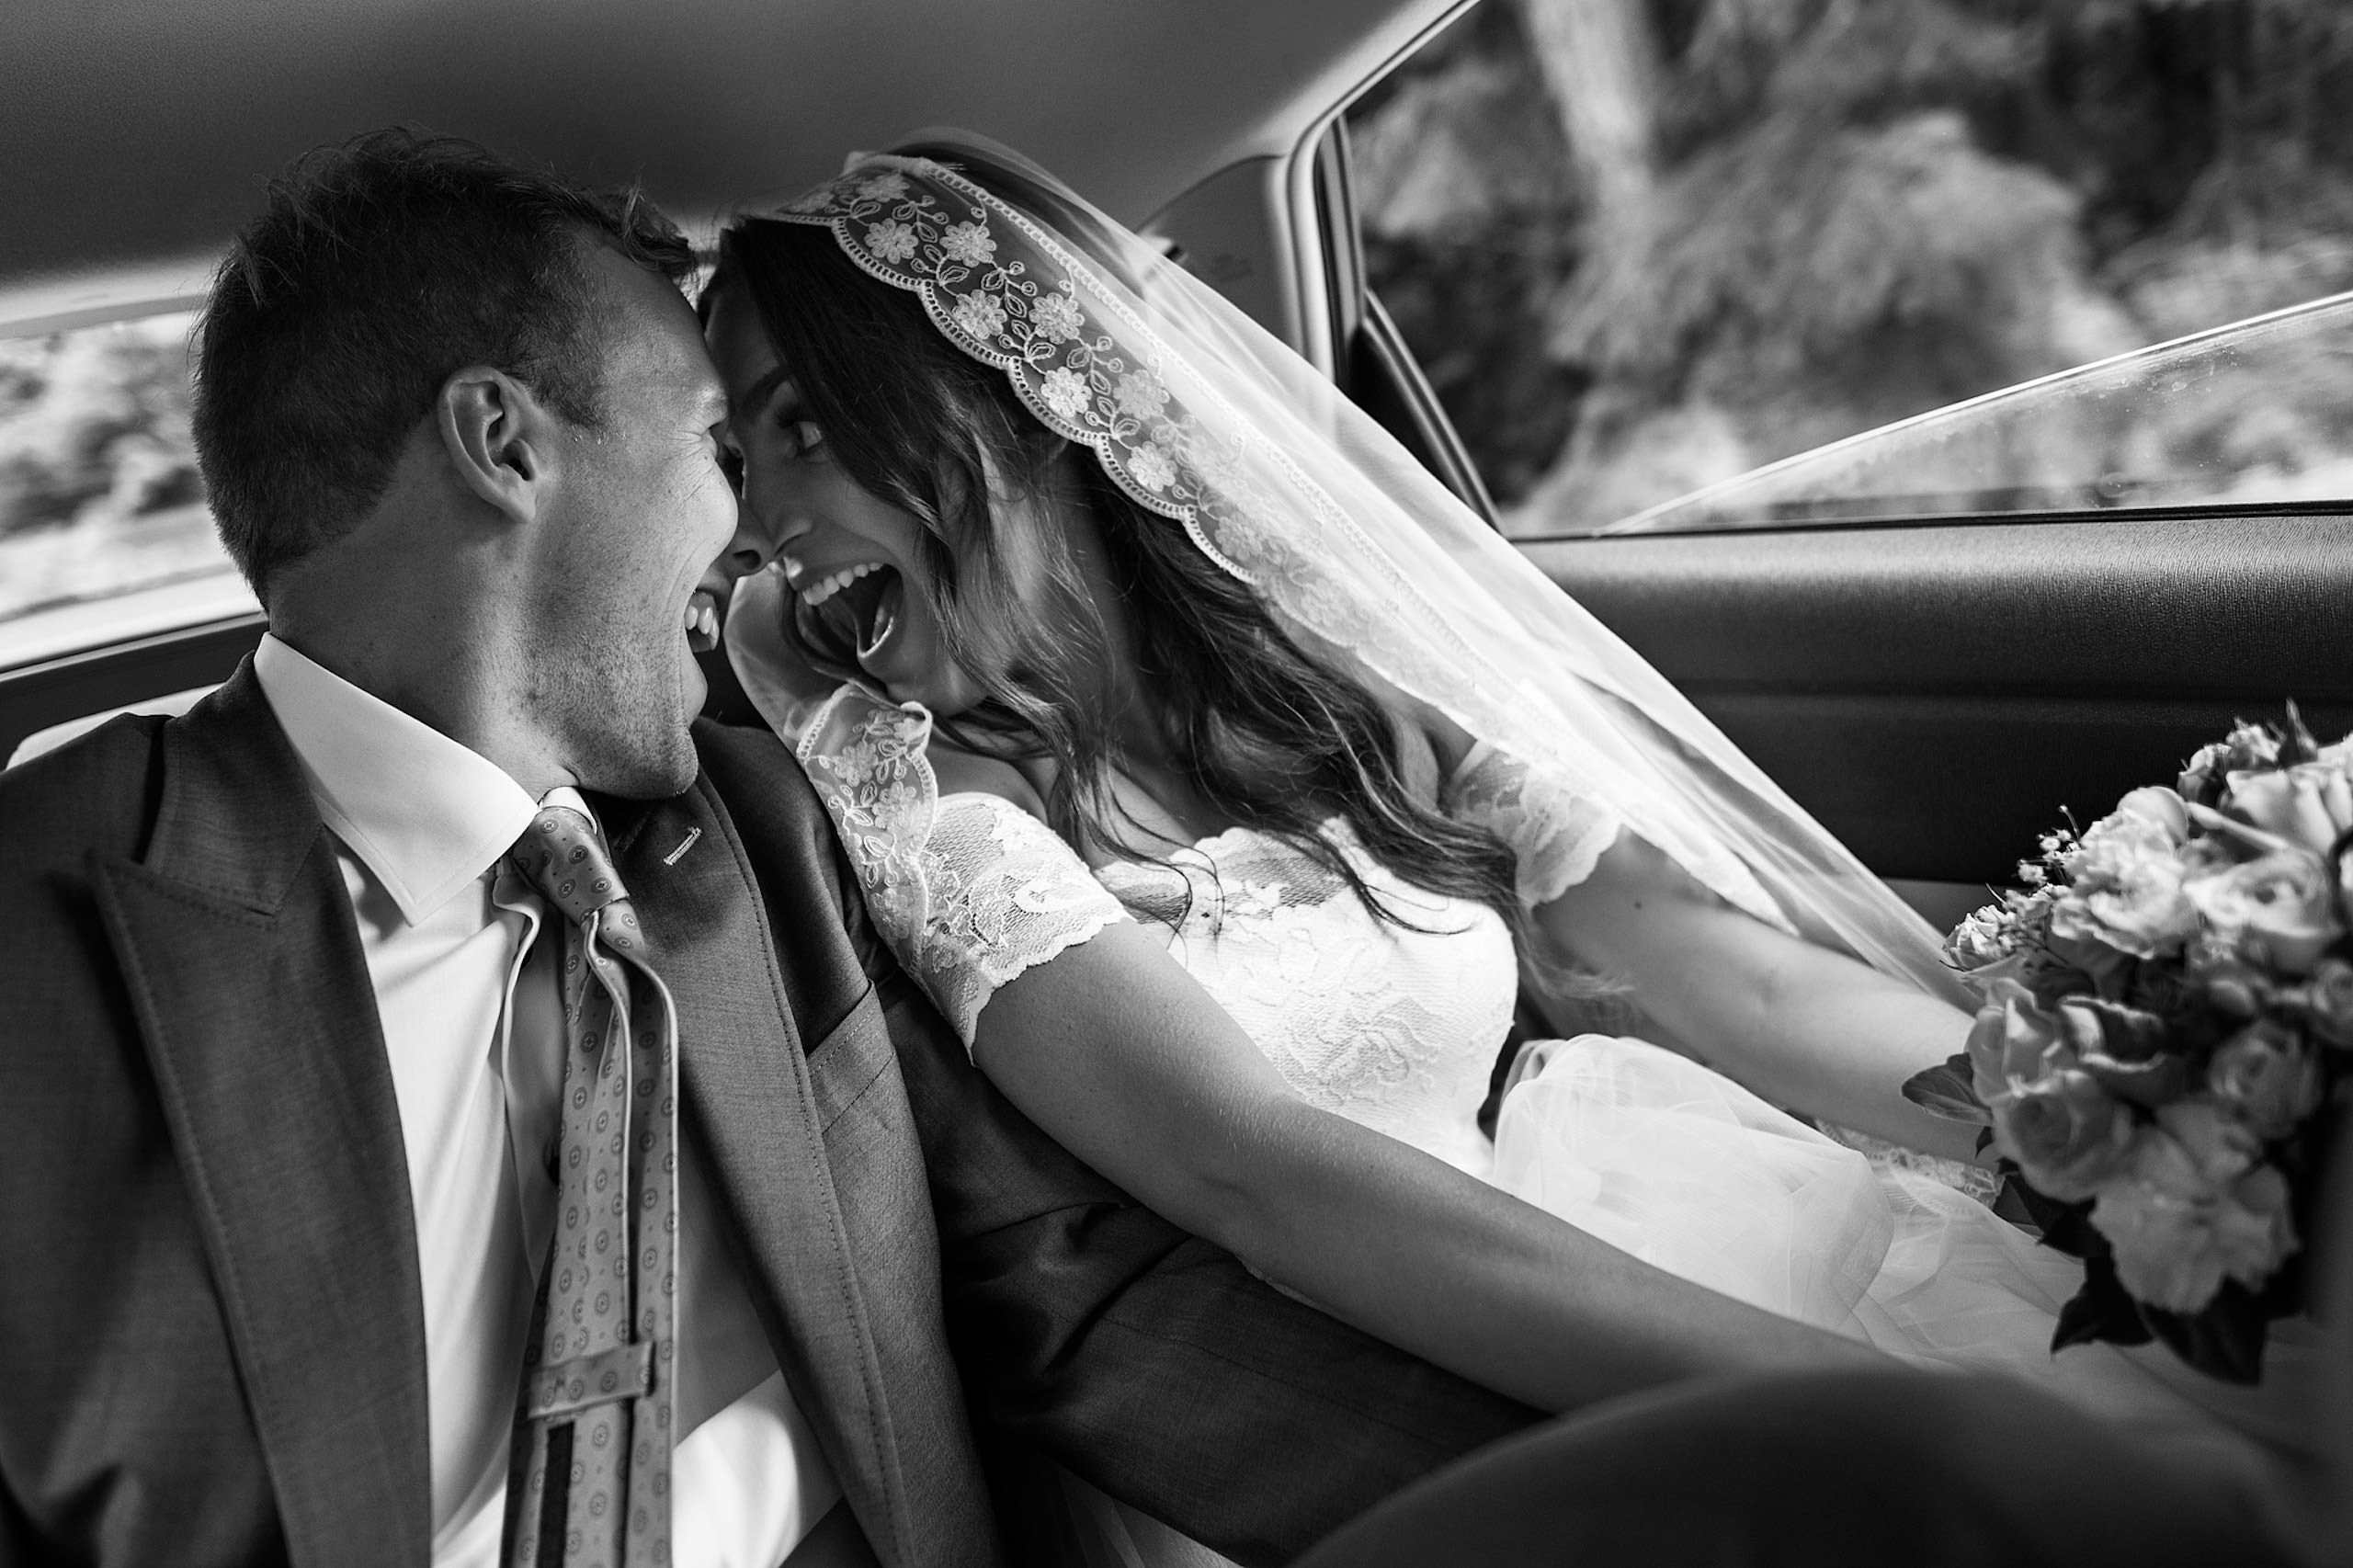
(1801, 1025)
(1121, 1057)
(1805, 1027)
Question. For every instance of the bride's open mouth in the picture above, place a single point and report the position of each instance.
(852, 613)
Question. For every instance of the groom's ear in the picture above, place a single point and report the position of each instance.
(498, 437)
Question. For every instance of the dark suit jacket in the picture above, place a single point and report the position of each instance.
(211, 1341)
(212, 1344)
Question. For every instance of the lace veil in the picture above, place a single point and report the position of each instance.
(1212, 422)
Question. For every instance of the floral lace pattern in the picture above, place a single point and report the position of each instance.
(1084, 355)
(1556, 832)
(1004, 291)
(969, 889)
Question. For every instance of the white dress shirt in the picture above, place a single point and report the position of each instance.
(473, 1030)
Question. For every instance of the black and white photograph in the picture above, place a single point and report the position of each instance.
(1177, 784)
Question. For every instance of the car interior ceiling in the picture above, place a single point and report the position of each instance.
(105, 156)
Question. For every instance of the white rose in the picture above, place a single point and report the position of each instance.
(2189, 1210)
(2281, 908)
(2310, 805)
(2127, 890)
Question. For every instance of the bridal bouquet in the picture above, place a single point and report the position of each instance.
(2165, 1037)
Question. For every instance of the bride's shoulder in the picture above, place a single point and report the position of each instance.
(961, 772)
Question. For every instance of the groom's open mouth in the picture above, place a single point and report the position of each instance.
(702, 621)
(852, 612)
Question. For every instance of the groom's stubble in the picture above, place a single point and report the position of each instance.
(644, 510)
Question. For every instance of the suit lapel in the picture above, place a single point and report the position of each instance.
(236, 936)
(751, 1108)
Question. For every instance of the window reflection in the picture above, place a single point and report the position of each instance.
(2250, 416)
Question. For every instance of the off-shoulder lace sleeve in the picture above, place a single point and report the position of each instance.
(969, 889)
(1557, 833)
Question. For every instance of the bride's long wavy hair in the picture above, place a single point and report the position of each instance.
(1273, 735)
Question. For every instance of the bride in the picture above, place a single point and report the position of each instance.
(1226, 783)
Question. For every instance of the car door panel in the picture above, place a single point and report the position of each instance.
(57, 691)
(1937, 696)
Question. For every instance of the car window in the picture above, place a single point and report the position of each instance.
(104, 533)
(2259, 415)
(1643, 248)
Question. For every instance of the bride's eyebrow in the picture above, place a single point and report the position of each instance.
(759, 394)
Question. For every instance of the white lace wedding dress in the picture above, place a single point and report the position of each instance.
(1398, 1028)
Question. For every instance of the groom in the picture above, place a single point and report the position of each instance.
(448, 1095)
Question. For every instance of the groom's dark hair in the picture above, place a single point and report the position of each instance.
(379, 268)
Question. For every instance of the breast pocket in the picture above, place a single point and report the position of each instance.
(844, 1066)
(878, 1164)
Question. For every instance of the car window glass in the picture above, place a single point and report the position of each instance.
(2256, 415)
(1643, 248)
(103, 532)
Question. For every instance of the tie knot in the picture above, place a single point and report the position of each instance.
(562, 856)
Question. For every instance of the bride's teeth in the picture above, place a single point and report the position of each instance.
(826, 587)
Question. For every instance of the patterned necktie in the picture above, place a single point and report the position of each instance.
(589, 1482)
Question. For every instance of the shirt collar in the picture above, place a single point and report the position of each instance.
(425, 813)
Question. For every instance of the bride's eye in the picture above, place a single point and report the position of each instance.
(801, 436)
(730, 459)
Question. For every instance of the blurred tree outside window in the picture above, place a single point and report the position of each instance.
(1640, 246)
(100, 495)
